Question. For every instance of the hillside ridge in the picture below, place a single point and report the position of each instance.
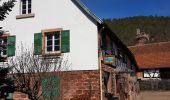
(157, 27)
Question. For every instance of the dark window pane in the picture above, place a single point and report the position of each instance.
(23, 2)
(49, 37)
(5, 40)
(29, 6)
(57, 48)
(29, 10)
(23, 11)
(57, 36)
(57, 42)
(49, 48)
(23, 6)
(29, 1)
(49, 42)
(4, 52)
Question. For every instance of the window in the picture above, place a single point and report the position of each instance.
(7, 46)
(25, 10)
(52, 41)
(25, 6)
(154, 73)
(3, 47)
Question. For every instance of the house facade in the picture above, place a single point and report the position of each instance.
(29, 17)
(68, 28)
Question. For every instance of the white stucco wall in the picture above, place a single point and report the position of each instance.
(58, 14)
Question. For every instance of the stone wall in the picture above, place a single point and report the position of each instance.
(79, 83)
(75, 85)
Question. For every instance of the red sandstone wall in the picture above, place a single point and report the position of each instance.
(75, 85)
(81, 83)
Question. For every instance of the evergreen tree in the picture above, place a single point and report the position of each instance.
(5, 8)
(6, 84)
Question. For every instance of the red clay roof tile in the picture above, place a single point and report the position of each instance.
(155, 55)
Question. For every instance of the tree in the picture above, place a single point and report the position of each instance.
(5, 8)
(6, 83)
(36, 76)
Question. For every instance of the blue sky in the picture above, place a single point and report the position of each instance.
(126, 8)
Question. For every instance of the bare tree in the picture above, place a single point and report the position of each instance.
(30, 71)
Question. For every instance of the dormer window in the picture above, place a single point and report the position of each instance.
(25, 6)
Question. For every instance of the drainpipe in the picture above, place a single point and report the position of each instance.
(101, 89)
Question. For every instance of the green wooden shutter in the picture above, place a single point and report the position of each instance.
(38, 43)
(65, 41)
(11, 46)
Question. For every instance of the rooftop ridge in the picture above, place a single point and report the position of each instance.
(149, 44)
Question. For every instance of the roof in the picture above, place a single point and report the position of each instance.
(154, 55)
(87, 11)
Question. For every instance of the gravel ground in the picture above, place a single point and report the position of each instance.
(154, 95)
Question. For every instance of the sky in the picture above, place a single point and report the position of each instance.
(128, 8)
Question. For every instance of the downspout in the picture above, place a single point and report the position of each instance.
(100, 65)
(101, 90)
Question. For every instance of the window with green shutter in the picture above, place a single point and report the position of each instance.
(52, 41)
(65, 41)
(38, 43)
(11, 46)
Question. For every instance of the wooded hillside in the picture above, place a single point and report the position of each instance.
(158, 28)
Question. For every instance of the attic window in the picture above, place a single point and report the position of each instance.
(25, 6)
(25, 9)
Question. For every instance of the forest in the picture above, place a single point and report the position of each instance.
(158, 28)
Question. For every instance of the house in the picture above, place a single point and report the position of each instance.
(153, 60)
(69, 28)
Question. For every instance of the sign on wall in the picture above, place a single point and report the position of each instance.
(110, 60)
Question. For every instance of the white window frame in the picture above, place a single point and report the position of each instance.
(53, 43)
(151, 73)
(44, 41)
(27, 9)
